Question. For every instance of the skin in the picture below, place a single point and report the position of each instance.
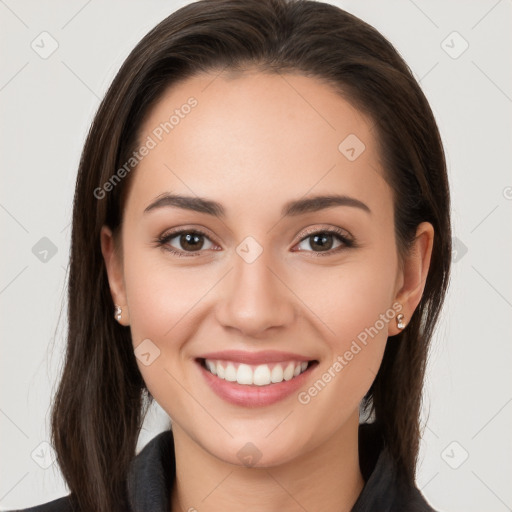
(254, 142)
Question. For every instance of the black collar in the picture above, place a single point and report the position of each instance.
(152, 474)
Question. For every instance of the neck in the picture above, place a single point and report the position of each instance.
(327, 478)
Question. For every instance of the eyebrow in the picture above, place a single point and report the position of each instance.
(290, 209)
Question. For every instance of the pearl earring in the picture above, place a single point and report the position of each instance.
(118, 312)
(400, 321)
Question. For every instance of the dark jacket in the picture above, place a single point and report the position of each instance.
(152, 474)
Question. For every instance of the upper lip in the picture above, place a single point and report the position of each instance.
(265, 356)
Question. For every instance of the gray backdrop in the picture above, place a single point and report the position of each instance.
(59, 57)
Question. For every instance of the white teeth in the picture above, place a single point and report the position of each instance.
(211, 366)
(244, 374)
(260, 375)
(288, 373)
(230, 372)
(277, 373)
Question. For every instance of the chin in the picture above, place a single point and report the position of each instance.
(256, 451)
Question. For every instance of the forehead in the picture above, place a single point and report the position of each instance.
(255, 138)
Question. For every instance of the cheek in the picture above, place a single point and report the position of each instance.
(160, 293)
(352, 296)
(358, 311)
(161, 299)
(357, 305)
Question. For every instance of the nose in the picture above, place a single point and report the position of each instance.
(255, 298)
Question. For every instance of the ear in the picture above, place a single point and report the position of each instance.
(114, 266)
(413, 275)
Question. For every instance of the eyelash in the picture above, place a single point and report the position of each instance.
(347, 242)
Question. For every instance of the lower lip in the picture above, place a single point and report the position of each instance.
(255, 396)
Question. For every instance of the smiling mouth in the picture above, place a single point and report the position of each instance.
(256, 374)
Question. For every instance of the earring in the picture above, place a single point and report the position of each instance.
(400, 321)
(118, 312)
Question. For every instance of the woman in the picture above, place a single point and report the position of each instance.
(260, 243)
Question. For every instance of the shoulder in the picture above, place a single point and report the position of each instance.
(409, 498)
(59, 505)
(386, 489)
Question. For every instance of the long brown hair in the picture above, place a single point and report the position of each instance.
(102, 399)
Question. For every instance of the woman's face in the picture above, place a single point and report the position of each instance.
(267, 275)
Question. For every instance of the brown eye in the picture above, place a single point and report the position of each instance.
(323, 242)
(183, 242)
(326, 241)
(191, 241)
